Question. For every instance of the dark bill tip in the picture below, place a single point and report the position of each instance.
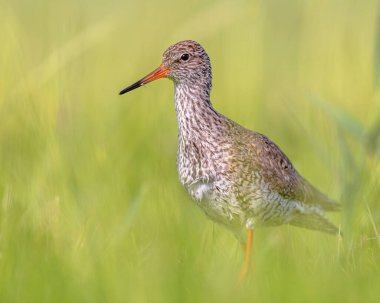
(158, 73)
(131, 87)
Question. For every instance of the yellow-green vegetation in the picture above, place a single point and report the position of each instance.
(91, 209)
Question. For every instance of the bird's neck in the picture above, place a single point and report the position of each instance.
(195, 114)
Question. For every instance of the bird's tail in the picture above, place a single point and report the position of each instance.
(315, 221)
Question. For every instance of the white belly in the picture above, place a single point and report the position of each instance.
(199, 190)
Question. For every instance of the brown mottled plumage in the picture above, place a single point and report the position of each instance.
(238, 177)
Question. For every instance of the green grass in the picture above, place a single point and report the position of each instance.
(91, 209)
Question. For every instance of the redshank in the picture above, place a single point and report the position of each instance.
(240, 178)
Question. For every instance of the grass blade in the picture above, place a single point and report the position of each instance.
(342, 118)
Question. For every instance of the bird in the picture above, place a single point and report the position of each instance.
(239, 178)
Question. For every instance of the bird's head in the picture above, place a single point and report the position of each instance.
(183, 62)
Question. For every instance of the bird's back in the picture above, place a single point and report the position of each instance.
(261, 165)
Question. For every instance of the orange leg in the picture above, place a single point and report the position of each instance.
(247, 259)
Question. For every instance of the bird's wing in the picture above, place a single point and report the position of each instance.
(278, 172)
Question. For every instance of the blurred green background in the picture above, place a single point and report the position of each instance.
(91, 209)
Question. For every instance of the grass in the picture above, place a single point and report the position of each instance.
(90, 206)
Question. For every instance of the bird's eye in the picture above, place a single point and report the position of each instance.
(185, 57)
